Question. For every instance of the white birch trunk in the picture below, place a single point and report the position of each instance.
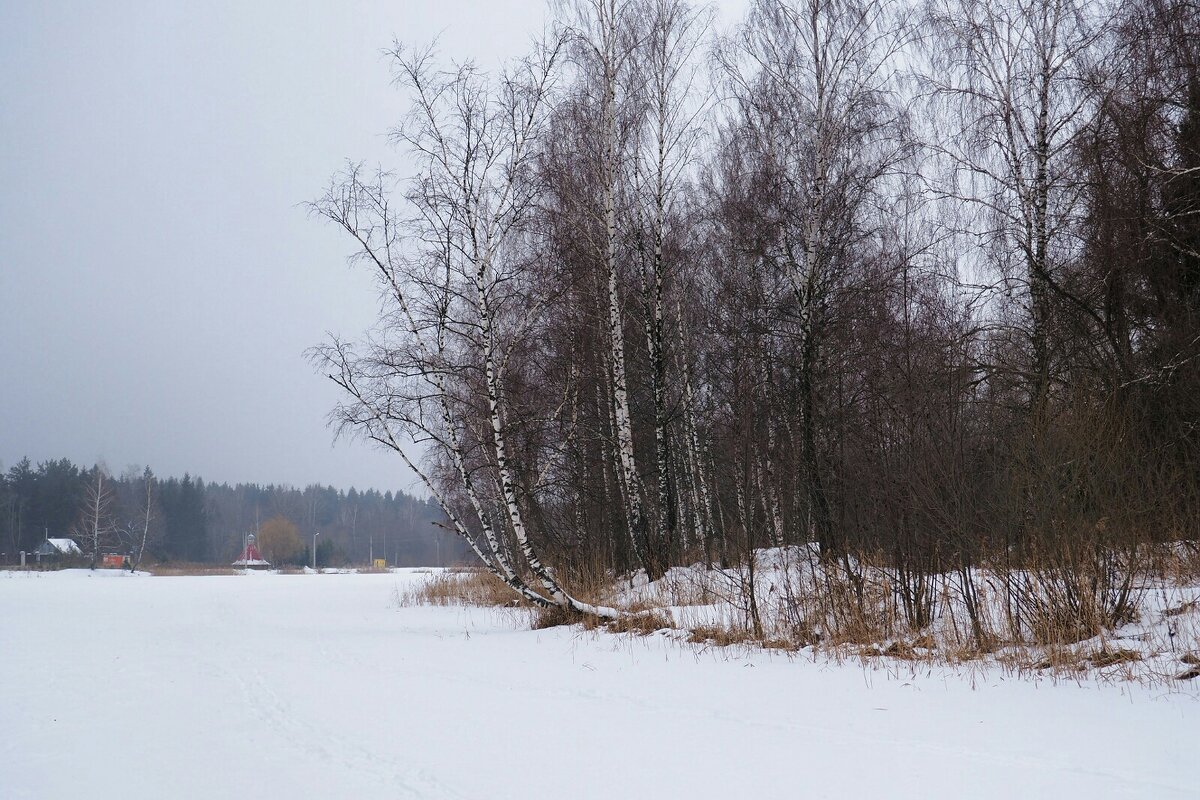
(623, 425)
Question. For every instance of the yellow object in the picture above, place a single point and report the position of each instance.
(381, 563)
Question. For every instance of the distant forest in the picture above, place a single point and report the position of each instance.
(195, 521)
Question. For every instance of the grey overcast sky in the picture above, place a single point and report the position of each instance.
(159, 280)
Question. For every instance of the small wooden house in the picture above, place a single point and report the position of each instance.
(57, 550)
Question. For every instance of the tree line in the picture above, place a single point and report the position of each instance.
(913, 284)
(189, 520)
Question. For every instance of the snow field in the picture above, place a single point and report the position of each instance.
(322, 686)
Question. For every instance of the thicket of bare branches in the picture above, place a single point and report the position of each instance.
(918, 285)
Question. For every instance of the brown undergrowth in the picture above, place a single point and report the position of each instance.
(851, 611)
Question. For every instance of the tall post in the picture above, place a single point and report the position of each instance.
(315, 535)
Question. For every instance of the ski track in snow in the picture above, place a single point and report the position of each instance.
(319, 686)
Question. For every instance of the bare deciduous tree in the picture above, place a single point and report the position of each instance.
(96, 527)
(812, 81)
(462, 301)
(1009, 81)
(636, 315)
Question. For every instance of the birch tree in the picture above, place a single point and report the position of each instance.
(812, 84)
(604, 38)
(1009, 82)
(666, 66)
(96, 527)
(139, 530)
(453, 261)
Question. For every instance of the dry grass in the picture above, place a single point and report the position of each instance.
(1103, 657)
(1179, 561)
(642, 623)
(556, 616)
(681, 588)
(465, 587)
(178, 568)
(472, 587)
(1183, 608)
(853, 611)
(721, 635)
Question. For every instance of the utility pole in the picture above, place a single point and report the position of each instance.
(315, 535)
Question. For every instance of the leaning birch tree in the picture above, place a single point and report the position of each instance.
(138, 530)
(452, 258)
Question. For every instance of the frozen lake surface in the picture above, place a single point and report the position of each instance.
(322, 686)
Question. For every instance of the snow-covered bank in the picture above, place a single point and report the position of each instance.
(794, 596)
(321, 686)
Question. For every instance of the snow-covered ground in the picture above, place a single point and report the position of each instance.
(322, 686)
